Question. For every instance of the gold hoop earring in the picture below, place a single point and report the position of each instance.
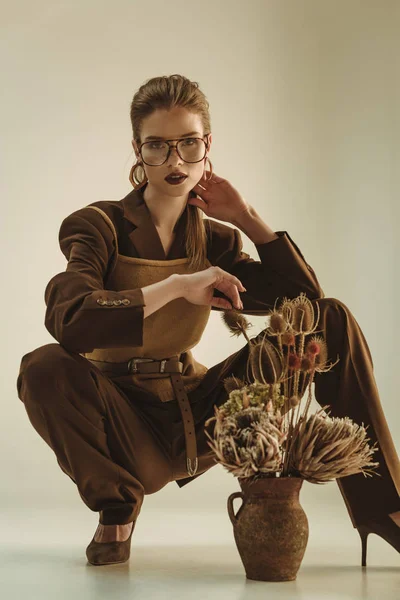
(137, 183)
(211, 168)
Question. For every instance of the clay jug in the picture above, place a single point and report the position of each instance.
(270, 527)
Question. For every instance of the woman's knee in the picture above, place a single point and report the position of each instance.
(43, 361)
(333, 310)
(42, 367)
(332, 302)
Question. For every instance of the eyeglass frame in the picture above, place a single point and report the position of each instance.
(175, 146)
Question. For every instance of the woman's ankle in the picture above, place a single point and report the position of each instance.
(113, 533)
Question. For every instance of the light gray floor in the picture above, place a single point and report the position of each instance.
(190, 554)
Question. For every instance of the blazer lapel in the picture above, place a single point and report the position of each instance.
(144, 236)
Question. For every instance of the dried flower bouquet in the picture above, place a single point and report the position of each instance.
(263, 429)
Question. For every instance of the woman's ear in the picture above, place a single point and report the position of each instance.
(135, 149)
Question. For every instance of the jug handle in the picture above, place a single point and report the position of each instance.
(231, 510)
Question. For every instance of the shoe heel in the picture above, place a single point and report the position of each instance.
(108, 553)
(363, 531)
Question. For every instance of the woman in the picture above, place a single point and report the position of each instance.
(120, 398)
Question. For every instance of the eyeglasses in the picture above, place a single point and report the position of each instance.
(190, 150)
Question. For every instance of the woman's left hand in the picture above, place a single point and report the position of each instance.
(219, 199)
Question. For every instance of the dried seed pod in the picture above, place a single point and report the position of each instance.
(236, 322)
(233, 383)
(266, 362)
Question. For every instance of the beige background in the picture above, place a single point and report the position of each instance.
(304, 100)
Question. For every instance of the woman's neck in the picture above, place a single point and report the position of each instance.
(165, 210)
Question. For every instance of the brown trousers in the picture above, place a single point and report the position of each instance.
(118, 442)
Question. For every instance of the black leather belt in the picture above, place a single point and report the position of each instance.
(174, 367)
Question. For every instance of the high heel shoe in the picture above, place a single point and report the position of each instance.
(108, 553)
(383, 526)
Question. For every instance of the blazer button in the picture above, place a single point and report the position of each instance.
(117, 302)
(100, 301)
(109, 302)
(125, 301)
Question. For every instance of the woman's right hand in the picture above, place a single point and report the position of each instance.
(198, 288)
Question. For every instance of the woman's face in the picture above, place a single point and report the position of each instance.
(173, 125)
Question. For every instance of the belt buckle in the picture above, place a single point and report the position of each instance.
(132, 368)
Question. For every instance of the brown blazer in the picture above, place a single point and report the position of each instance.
(79, 323)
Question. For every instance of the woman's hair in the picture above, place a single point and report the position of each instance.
(165, 93)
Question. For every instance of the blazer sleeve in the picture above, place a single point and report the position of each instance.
(76, 315)
(282, 270)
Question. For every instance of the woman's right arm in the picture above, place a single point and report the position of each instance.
(196, 288)
(75, 313)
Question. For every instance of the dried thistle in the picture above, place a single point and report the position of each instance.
(277, 323)
(266, 362)
(233, 383)
(236, 323)
(300, 315)
(325, 448)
